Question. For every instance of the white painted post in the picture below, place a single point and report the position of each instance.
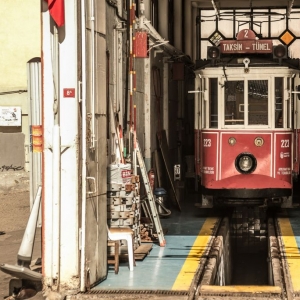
(60, 219)
(56, 201)
(48, 122)
(68, 107)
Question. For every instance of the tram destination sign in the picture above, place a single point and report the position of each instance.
(246, 46)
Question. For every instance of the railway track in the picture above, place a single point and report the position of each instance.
(279, 282)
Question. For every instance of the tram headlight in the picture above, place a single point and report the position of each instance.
(232, 141)
(280, 51)
(213, 52)
(245, 163)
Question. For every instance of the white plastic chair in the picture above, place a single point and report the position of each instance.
(117, 234)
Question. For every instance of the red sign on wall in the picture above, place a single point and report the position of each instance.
(69, 92)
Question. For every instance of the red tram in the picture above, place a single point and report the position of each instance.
(246, 123)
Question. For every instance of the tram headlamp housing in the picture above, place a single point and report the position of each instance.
(231, 141)
(245, 163)
(259, 141)
(213, 52)
(280, 51)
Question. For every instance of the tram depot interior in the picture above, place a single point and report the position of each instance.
(218, 212)
(182, 218)
(167, 267)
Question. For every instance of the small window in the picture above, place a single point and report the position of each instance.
(213, 103)
(234, 103)
(289, 105)
(258, 102)
(278, 102)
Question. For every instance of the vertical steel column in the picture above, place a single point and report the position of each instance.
(163, 19)
(194, 32)
(35, 118)
(131, 46)
(92, 104)
(178, 24)
(84, 150)
(187, 28)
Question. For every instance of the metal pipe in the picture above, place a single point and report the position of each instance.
(171, 50)
(178, 24)
(131, 16)
(26, 248)
(194, 32)
(187, 28)
(215, 8)
(83, 146)
(92, 19)
(289, 10)
(163, 18)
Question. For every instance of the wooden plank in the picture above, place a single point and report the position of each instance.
(162, 137)
(140, 253)
(158, 168)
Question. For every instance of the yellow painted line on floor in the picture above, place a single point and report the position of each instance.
(188, 270)
(253, 289)
(291, 251)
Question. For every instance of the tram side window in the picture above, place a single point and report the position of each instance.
(213, 103)
(289, 105)
(258, 102)
(234, 103)
(278, 102)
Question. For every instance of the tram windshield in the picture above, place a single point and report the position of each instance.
(257, 102)
(248, 103)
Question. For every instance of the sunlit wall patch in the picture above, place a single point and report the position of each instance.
(245, 163)
(231, 141)
(259, 141)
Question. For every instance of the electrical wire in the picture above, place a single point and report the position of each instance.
(13, 92)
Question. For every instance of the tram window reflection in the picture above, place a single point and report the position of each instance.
(278, 102)
(258, 102)
(213, 103)
(234, 103)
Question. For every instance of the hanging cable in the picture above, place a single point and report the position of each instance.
(157, 93)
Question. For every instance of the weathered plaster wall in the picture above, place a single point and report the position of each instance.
(20, 32)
